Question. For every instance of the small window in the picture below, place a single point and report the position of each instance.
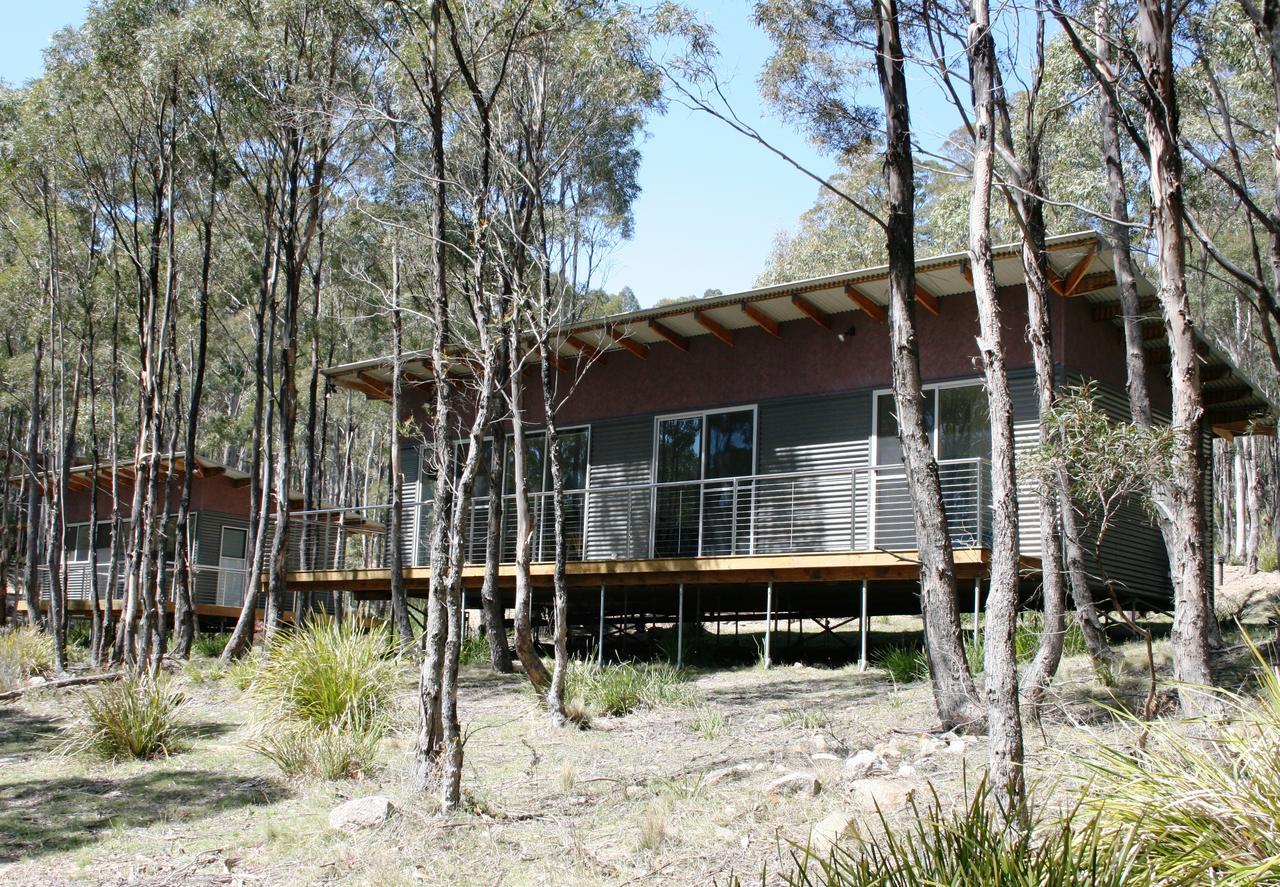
(574, 446)
(964, 426)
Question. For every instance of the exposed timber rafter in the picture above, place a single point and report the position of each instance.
(711, 325)
(928, 300)
(639, 349)
(869, 307)
(670, 335)
(764, 321)
(813, 312)
(586, 350)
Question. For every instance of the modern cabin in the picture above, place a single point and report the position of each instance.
(737, 456)
(219, 536)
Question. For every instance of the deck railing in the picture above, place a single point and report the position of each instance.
(857, 509)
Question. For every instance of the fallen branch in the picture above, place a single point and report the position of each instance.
(63, 682)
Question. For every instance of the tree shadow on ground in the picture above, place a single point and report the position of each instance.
(22, 733)
(53, 815)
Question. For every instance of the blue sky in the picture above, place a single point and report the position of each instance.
(711, 201)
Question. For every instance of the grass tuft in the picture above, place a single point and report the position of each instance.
(210, 645)
(474, 650)
(327, 689)
(1205, 808)
(970, 845)
(325, 672)
(24, 651)
(905, 664)
(136, 717)
(619, 689)
(342, 749)
(709, 723)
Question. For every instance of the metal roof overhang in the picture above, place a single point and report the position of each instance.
(1080, 266)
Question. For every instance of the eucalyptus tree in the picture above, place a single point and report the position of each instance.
(822, 53)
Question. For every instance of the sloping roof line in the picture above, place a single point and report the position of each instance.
(1080, 262)
(204, 468)
(925, 269)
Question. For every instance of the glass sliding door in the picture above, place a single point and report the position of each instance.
(694, 515)
(677, 499)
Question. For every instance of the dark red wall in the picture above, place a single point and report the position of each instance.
(207, 494)
(808, 360)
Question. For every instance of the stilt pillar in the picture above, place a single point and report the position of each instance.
(862, 630)
(600, 639)
(768, 625)
(680, 627)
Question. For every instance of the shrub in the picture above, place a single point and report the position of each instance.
(210, 645)
(137, 717)
(1267, 555)
(905, 664)
(342, 749)
(1202, 810)
(325, 672)
(622, 688)
(970, 845)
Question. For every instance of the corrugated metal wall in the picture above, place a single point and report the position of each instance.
(829, 434)
(1132, 553)
(618, 523)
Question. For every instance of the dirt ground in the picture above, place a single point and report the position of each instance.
(633, 800)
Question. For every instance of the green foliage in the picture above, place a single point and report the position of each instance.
(619, 689)
(905, 664)
(971, 845)
(324, 672)
(327, 689)
(138, 717)
(210, 645)
(242, 672)
(1026, 640)
(24, 651)
(1204, 803)
(474, 650)
(79, 635)
(1108, 462)
(1267, 561)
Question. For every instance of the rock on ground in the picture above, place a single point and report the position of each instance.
(868, 795)
(830, 831)
(361, 813)
(794, 784)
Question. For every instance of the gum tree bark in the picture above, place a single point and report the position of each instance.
(395, 523)
(1180, 503)
(490, 600)
(30, 575)
(953, 688)
(1004, 722)
(526, 650)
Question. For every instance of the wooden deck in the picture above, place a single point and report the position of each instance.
(213, 611)
(740, 569)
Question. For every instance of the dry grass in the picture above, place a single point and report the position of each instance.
(627, 801)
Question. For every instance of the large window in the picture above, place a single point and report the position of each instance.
(692, 514)
(955, 417)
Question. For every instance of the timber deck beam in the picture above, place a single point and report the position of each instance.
(738, 569)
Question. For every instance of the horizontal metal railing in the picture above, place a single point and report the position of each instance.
(856, 509)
